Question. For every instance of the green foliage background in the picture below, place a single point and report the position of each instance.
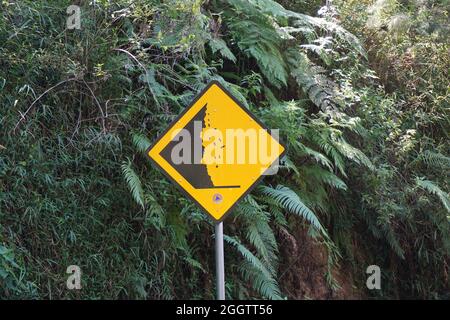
(360, 94)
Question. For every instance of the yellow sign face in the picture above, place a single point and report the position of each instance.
(216, 151)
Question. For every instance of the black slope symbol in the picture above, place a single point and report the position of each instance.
(195, 173)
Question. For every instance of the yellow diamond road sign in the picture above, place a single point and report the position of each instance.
(216, 151)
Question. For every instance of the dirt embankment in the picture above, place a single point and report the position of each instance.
(303, 270)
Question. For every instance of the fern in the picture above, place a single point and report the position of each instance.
(258, 38)
(134, 183)
(434, 189)
(303, 23)
(268, 7)
(310, 77)
(261, 42)
(290, 201)
(325, 176)
(434, 159)
(325, 143)
(219, 45)
(288, 165)
(258, 231)
(141, 142)
(352, 153)
(319, 157)
(391, 238)
(321, 47)
(307, 23)
(261, 235)
(262, 279)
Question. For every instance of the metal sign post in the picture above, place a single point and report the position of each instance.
(220, 265)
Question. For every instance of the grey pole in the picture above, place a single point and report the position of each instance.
(220, 266)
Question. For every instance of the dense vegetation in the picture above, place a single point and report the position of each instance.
(360, 94)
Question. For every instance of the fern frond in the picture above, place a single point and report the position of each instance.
(302, 20)
(306, 24)
(141, 142)
(267, 287)
(219, 45)
(261, 236)
(269, 7)
(353, 153)
(248, 255)
(289, 200)
(322, 48)
(434, 189)
(256, 35)
(274, 209)
(289, 165)
(259, 232)
(319, 157)
(325, 176)
(262, 278)
(134, 183)
(310, 77)
(434, 159)
(325, 143)
(393, 242)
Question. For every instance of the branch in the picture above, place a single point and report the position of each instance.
(145, 70)
(23, 115)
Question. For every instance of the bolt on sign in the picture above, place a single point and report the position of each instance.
(216, 151)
